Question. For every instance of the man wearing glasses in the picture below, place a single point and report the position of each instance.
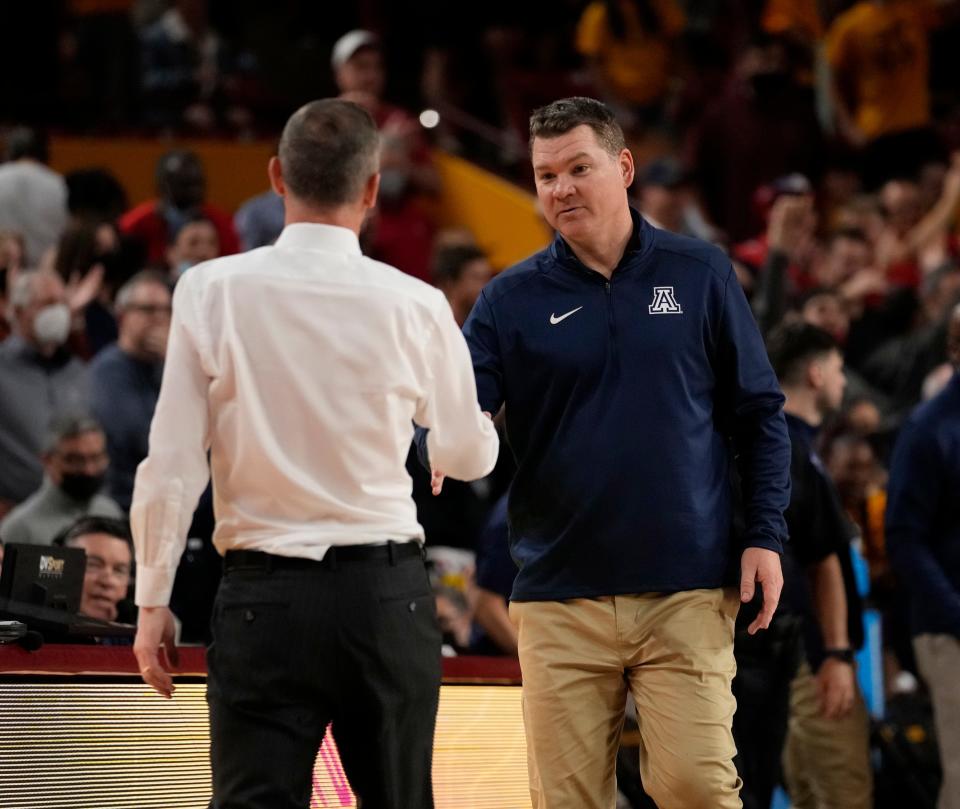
(125, 377)
(109, 549)
(75, 463)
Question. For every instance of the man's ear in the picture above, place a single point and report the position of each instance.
(627, 167)
(47, 459)
(815, 375)
(275, 173)
(371, 190)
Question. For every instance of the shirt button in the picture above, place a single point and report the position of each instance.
(249, 615)
(412, 606)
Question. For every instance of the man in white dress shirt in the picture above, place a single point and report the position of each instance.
(301, 367)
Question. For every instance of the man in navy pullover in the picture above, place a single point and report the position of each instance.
(632, 373)
(923, 541)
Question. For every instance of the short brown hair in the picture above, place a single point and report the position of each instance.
(328, 151)
(793, 346)
(559, 117)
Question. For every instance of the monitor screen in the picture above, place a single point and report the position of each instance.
(43, 575)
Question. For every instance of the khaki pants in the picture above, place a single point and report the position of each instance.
(826, 762)
(938, 658)
(674, 653)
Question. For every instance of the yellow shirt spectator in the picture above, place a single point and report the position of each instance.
(633, 66)
(880, 57)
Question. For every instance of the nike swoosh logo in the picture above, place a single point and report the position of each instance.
(554, 320)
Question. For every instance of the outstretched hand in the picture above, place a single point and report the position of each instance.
(437, 477)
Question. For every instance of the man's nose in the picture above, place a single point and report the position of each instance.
(563, 188)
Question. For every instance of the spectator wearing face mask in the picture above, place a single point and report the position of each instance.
(402, 230)
(75, 463)
(40, 381)
(197, 241)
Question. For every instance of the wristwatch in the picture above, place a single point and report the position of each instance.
(844, 654)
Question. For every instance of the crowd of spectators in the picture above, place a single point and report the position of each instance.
(818, 143)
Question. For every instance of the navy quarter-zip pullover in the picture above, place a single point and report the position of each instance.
(624, 400)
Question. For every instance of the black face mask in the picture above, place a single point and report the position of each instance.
(81, 487)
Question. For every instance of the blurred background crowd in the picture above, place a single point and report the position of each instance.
(816, 141)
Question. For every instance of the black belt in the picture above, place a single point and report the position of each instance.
(390, 553)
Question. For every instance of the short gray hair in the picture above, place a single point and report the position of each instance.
(70, 427)
(125, 293)
(23, 289)
(559, 117)
(328, 151)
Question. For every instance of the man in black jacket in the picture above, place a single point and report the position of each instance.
(803, 667)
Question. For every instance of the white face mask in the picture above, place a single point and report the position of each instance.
(51, 325)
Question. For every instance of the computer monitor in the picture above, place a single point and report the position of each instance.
(43, 575)
(41, 585)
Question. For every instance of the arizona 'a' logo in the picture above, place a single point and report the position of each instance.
(664, 302)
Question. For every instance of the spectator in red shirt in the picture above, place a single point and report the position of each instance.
(402, 229)
(181, 192)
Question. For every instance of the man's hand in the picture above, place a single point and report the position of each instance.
(83, 290)
(437, 477)
(836, 688)
(791, 224)
(155, 628)
(759, 565)
(155, 342)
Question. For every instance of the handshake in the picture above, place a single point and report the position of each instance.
(436, 476)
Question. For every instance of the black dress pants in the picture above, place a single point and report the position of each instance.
(766, 665)
(352, 640)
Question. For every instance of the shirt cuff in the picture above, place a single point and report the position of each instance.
(763, 541)
(154, 586)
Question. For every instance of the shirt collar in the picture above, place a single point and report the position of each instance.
(313, 236)
(641, 240)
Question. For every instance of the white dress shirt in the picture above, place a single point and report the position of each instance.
(301, 367)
